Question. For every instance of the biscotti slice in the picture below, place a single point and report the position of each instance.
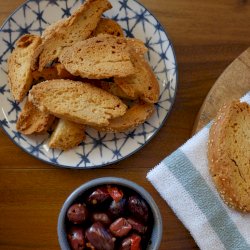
(53, 28)
(31, 120)
(134, 116)
(77, 102)
(108, 26)
(66, 135)
(56, 71)
(137, 46)
(143, 84)
(19, 65)
(111, 27)
(98, 57)
(112, 88)
(77, 27)
(108, 86)
(229, 155)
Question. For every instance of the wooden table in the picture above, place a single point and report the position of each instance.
(207, 36)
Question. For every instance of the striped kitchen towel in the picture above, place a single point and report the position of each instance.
(183, 180)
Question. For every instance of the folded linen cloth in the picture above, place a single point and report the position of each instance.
(183, 180)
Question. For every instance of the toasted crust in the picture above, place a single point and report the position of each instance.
(143, 84)
(108, 26)
(19, 65)
(112, 88)
(54, 28)
(134, 116)
(229, 155)
(77, 102)
(31, 120)
(56, 71)
(66, 32)
(66, 135)
(98, 57)
(137, 46)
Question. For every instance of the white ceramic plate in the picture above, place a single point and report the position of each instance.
(99, 149)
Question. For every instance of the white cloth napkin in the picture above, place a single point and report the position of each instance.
(183, 180)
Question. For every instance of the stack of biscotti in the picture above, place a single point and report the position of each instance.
(82, 69)
(229, 154)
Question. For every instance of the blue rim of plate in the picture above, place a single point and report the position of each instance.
(58, 165)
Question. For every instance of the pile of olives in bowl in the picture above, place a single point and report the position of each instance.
(108, 216)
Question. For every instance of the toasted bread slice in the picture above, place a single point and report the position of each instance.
(98, 57)
(134, 116)
(67, 135)
(108, 26)
(137, 46)
(76, 28)
(54, 28)
(112, 88)
(143, 84)
(111, 27)
(31, 120)
(56, 71)
(229, 155)
(19, 65)
(77, 102)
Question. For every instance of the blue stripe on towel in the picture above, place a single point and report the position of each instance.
(208, 203)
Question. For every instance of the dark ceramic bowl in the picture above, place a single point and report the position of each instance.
(157, 227)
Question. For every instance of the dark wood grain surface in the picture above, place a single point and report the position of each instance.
(207, 36)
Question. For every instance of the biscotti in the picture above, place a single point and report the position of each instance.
(74, 67)
(99, 57)
(31, 120)
(134, 116)
(143, 84)
(229, 155)
(108, 26)
(77, 27)
(77, 102)
(112, 88)
(56, 71)
(19, 65)
(137, 46)
(66, 135)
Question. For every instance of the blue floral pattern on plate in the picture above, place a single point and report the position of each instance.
(99, 149)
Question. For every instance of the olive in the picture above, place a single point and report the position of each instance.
(120, 227)
(117, 209)
(98, 196)
(99, 237)
(76, 238)
(133, 242)
(113, 218)
(115, 193)
(77, 213)
(101, 217)
(138, 208)
(137, 226)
